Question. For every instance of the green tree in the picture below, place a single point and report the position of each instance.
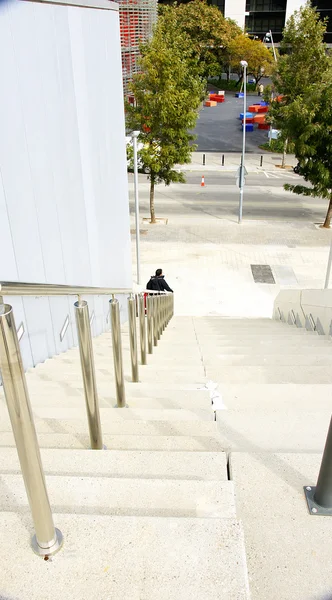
(260, 60)
(302, 72)
(311, 127)
(167, 92)
(209, 32)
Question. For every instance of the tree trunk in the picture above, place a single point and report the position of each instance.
(328, 215)
(284, 153)
(152, 213)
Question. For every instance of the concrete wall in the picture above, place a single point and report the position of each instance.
(293, 5)
(235, 9)
(64, 214)
(305, 308)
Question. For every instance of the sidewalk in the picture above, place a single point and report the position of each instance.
(213, 162)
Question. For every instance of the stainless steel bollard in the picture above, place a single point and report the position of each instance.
(88, 373)
(117, 353)
(149, 307)
(133, 337)
(48, 539)
(155, 320)
(142, 329)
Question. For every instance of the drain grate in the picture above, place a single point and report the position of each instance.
(262, 274)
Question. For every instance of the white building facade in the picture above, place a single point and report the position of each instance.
(64, 212)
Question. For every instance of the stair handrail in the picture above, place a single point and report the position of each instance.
(160, 309)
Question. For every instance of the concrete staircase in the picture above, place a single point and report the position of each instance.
(153, 516)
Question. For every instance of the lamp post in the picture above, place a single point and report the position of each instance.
(244, 65)
(134, 137)
(269, 38)
(328, 270)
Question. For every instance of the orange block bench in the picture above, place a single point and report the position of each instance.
(210, 103)
(217, 98)
(254, 108)
(259, 119)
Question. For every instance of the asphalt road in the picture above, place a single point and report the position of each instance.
(219, 128)
(264, 178)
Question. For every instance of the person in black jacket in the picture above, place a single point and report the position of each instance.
(158, 283)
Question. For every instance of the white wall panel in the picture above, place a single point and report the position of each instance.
(235, 9)
(64, 214)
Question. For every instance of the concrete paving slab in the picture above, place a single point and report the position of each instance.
(269, 360)
(275, 430)
(205, 559)
(181, 443)
(126, 497)
(287, 374)
(289, 554)
(127, 414)
(277, 397)
(208, 466)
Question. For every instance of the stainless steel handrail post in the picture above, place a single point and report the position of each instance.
(88, 373)
(132, 303)
(158, 317)
(155, 320)
(149, 308)
(117, 353)
(142, 329)
(48, 539)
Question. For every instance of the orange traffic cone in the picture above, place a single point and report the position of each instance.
(202, 182)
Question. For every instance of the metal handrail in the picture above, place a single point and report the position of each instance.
(14, 288)
(160, 309)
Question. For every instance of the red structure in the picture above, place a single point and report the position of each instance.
(137, 18)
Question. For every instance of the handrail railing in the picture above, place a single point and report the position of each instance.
(160, 309)
(14, 288)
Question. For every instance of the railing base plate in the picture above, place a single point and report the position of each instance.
(314, 508)
(45, 552)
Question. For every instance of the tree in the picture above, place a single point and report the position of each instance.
(167, 92)
(302, 75)
(313, 147)
(210, 34)
(260, 60)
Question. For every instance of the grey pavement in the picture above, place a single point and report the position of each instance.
(218, 128)
(207, 257)
(268, 163)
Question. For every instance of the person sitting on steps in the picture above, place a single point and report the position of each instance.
(157, 283)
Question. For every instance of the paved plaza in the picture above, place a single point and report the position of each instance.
(207, 257)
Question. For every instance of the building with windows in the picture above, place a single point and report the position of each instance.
(258, 17)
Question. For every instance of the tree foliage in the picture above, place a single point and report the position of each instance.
(260, 60)
(209, 32)
(304, 79)
(167, 92)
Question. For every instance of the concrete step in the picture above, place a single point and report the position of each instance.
(270, 359)
(127, 497)
(126, 414)
(288, 374)
(63, 400)
(273, 430)
(279, 343)
(142, 443)
(128, 558)
(277, 397)
(265, 350)
(207, 466)
(125, 427)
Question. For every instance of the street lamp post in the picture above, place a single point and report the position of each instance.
(269, 37)
(244, 65)
(328, 270)
(134, 137)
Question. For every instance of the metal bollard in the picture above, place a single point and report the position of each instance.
(155, 323)
(319, 498)
(223, 160)
(133, 337)
(88, 373)
(142, 329)
(203, 160)
(117, 353)
(261, 164)
(47, 539)
(149, 307)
